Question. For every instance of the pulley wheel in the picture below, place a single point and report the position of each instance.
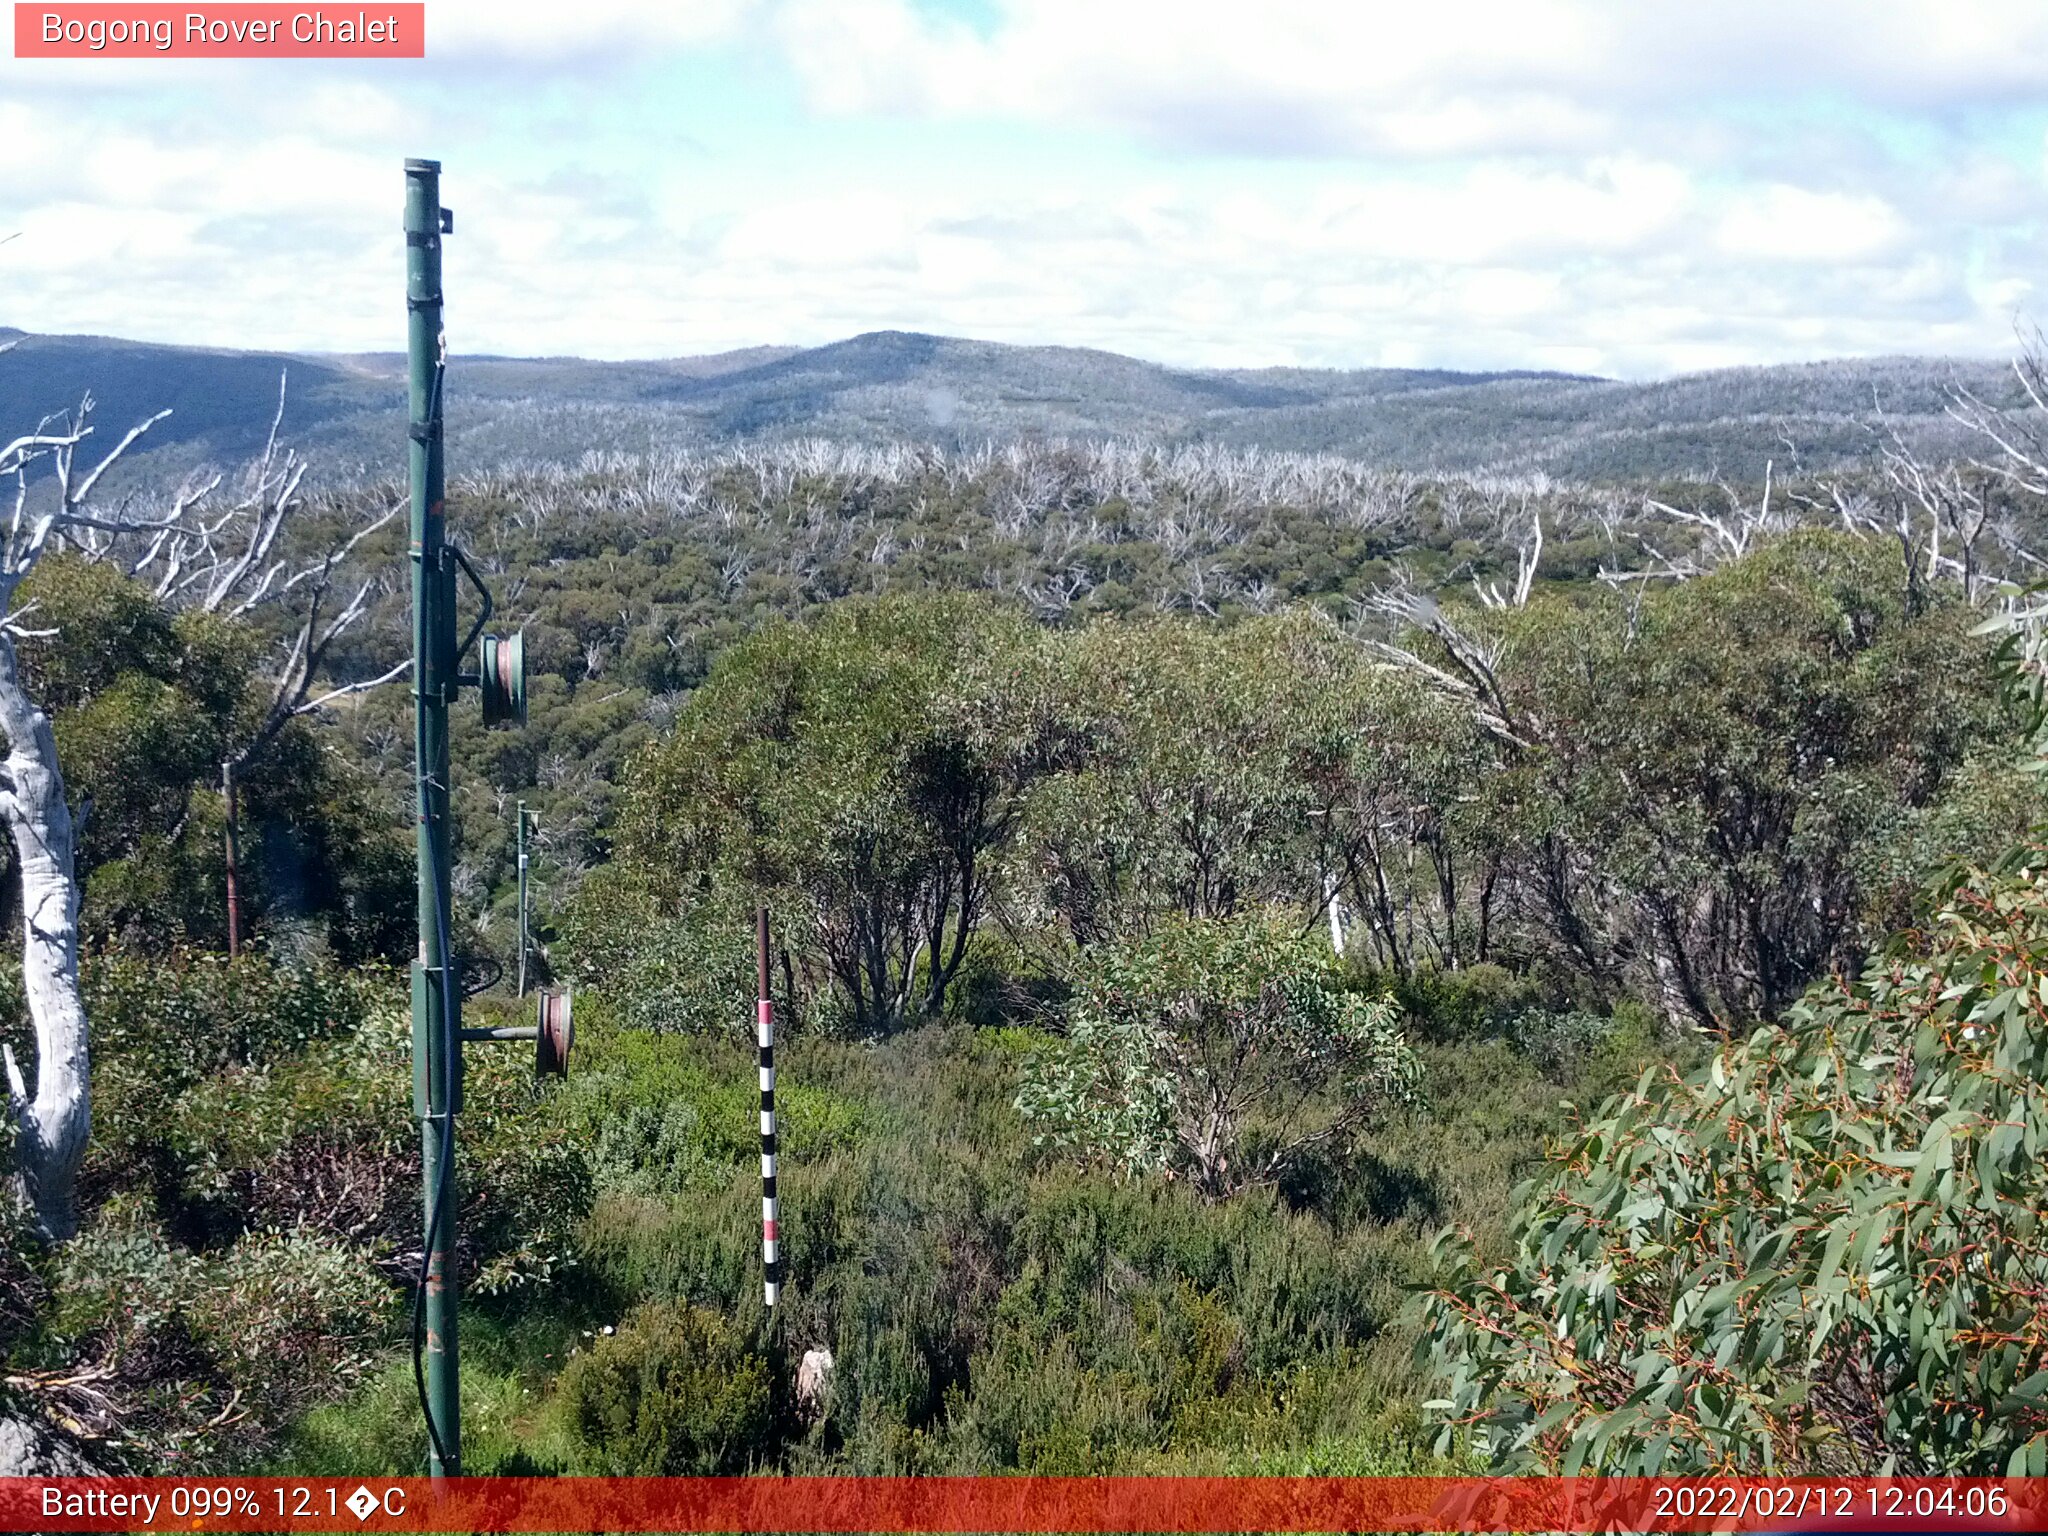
(556, 1033)
(502, 679)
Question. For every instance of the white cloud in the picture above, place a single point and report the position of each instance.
(1508, 293)
(1543, 183)
(78, 242)
(1794, 224)
(1451, 77)
(1624, 266)
(550, 32)
(826, 233)
(1286, 75)
(1496, 212)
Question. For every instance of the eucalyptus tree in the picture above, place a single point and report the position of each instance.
(1194, 792)
(1707, 779)
(862, 773)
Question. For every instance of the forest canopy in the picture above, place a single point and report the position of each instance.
(1707, 794)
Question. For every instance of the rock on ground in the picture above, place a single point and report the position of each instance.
(30, 1448)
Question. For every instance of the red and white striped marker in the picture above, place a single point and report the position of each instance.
(764, 1033)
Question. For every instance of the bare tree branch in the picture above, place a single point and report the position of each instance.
(312, 705)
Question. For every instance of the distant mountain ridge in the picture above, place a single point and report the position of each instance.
(347, 409)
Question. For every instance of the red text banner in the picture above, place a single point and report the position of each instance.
(239, 31)
(1024, 1504)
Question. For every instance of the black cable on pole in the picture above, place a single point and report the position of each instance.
(448, 1049)
(435, 1211)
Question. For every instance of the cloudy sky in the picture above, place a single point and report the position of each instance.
(1633, 189)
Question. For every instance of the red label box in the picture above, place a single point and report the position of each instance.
(1094, 1506)
(238, 31)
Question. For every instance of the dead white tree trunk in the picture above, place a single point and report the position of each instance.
(51, 1123)
(51, 1126)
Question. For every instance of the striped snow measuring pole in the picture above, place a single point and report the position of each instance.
(764, 1034)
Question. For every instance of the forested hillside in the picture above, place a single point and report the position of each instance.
(1204, 881)
(896, 387)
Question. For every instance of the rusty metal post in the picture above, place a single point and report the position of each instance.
(522, 899)
(227, 787)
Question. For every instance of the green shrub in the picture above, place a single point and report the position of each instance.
(1560, 1043)
(1221, 1050)
(207, 1357)
(24, 1276)
(673, 1393)
(524, 1165)
(162, 1024)
(667, 1115)
(662, 972)
(1473, 1003)
(291, 1316)
(987, 1311)
(1822, 1251)
(246, 1114)
(193, 1013)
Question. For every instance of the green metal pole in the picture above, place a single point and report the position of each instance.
(522, 898)
(436, 1003)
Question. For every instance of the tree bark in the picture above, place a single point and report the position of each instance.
(1677, 981)
(52, 1126)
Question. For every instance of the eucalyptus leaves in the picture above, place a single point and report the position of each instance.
(1821, 1252)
